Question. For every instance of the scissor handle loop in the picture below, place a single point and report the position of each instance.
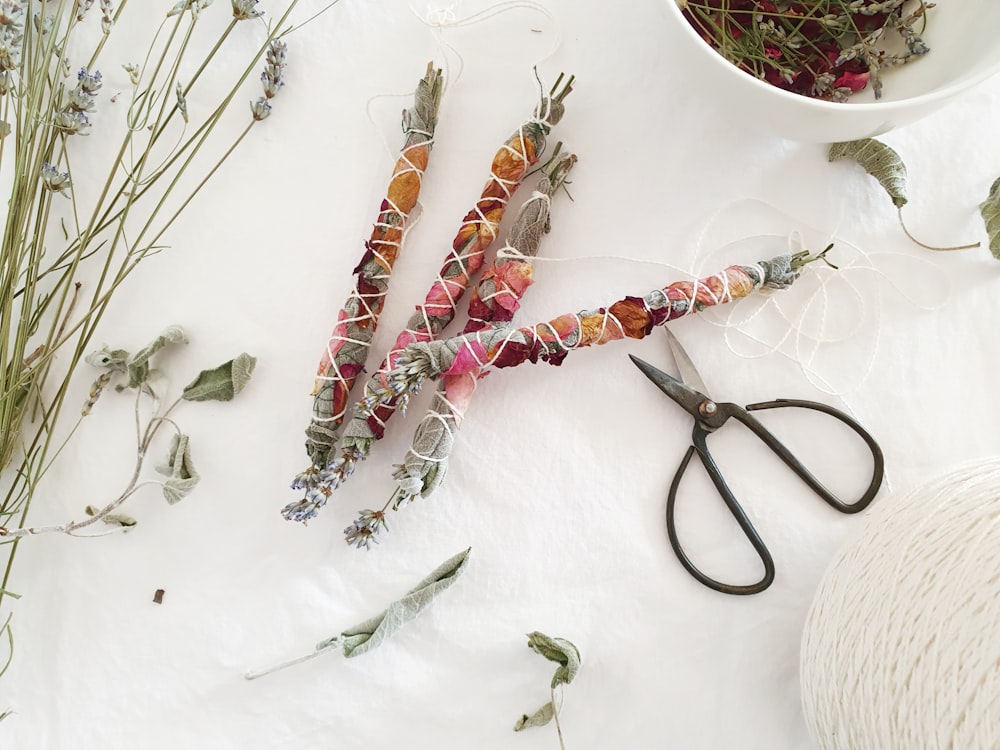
(878, 471)
(735, 508)
(699, 446)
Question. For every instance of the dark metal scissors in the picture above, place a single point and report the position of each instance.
(709, 415)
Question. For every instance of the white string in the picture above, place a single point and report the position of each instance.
(899, 647)
(799, 341)
(442, 19)
(805, 326)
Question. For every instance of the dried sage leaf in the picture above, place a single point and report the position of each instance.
(222, 383)
(567, 656)
(113, 519)
(181, 472)
(560, 651)
(372, 633)
(138, 364)
(990, 211)
(540, 718)
(878, 160)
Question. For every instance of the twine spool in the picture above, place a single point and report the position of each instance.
(901, 647)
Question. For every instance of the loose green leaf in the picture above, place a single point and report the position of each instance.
(372, 633)
(990, 211)
(222, 383)
(560, 651)
(138, 364)
(181, 472)
(113, 519)
(567, 656)
(540, 718)
(878, 160)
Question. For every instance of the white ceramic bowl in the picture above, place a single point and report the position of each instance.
(964, 41)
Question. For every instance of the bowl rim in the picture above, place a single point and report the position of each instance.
(931, 97)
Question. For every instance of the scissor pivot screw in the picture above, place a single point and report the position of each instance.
(707, 408)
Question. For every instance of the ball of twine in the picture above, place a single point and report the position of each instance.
(902, 643)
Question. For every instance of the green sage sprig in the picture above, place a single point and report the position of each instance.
(137, 374)
(62, 258)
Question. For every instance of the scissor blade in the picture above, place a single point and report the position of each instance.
(688, 398)
(689, 373)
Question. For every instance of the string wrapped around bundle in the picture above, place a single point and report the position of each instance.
(498, 346)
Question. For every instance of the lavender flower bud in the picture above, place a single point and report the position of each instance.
(182, 106)
(260, 109)
(82, 9)
(11, 13)
(107, 20)
(276, 53)
(271, 79)
(53, 179)
(133, 73)
(71, 122)
(87, 82)
(80, 101)
(244, 10)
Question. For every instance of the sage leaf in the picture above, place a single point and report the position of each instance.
(223, 383)
(560, 651)
(138, 364)
(540, 718)
(371, 633)
(112, 519)
(878, 160)
(990, 211)
(182, 476)
(567, 656)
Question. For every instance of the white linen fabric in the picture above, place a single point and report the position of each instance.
(559, 478)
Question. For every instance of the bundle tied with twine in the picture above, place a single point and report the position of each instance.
(480, 226)
(347, 350)
(495, 301)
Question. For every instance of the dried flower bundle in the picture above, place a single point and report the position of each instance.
(826, 49)
(495, 299)
(347, 349)
(479, 229)
(498, 347)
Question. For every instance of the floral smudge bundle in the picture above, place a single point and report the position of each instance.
(825, 49)
(465, 358)
(497, 347)
(333, 459)
(347, 348)
(479, 229)
(495, 300)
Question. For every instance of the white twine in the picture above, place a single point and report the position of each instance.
(440, 19)
(901, 647)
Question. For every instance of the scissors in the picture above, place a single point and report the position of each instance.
(709, 415)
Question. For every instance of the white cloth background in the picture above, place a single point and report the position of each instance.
(559, 478)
